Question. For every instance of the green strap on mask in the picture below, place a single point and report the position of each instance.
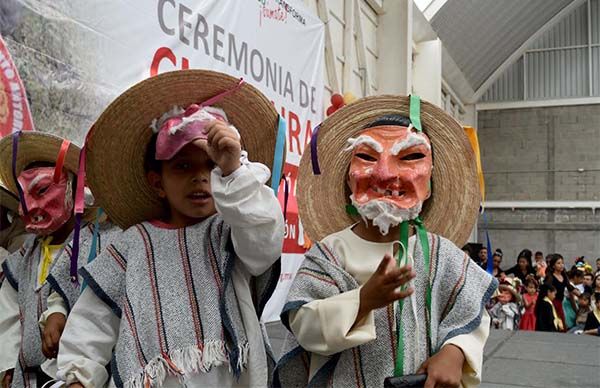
(415, 112)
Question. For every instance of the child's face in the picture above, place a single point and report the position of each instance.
(539, 258)
(531, 289)
(185, 183)
(551, 295)
(584, 303)
(505, 297)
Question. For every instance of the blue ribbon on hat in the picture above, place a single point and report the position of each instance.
(278, 158)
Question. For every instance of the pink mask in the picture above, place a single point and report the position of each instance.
(392, 164)
(178, 128)
(49, 204)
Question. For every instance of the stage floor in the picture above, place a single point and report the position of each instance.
(525, 359)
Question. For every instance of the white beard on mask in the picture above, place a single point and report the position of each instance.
(384, 214)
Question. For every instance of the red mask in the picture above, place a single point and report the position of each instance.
(392, 164)
(49, 204)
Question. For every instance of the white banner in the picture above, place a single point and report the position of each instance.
(275, 45)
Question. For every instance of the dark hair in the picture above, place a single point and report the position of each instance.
(543, 292)
(467, 248)
(498, 252)
(585, 295)
(392, 119)
(482, 248)
(530, 279)
(597, 296)
(539, 253)
(150, 162)
(553, 259)
(588, 274)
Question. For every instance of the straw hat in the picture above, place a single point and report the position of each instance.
(33, 147)
(37, 147)
(452, 209)
(7, 199)
(118, 140)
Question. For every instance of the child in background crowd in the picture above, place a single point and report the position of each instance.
(583, 310)
(529, 300)
(505, 313)
(546, 316)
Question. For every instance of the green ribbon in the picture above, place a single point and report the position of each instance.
(401, 260)
(415, 112)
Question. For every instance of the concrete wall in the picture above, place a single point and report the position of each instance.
(548, 153)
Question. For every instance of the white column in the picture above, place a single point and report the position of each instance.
(427, 71)
(394, 39)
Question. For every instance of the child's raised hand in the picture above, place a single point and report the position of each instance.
(224, 146)
(444, 369)
(382, 288)
(55, 325)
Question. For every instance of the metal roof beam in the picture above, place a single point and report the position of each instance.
(521, 50)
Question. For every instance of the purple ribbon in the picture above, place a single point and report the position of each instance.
(314, 157)
(75, 251)
(286, 194)
(15, 147)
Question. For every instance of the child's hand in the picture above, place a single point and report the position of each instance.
(224, 146)
(7, 379)
(444, 369)
(52, 332)
(382, 287)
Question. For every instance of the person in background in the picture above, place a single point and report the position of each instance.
(576, 278)
(540, 265)
(523, 268)
(598, 266)
(497, 259)
(482, 257)
(546, 316)
(588, 282)
(592, 324)
(556, 275)
(529, 300)
(584, 308)
(505, 313)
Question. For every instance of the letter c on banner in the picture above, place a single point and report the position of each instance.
(161, 53)
(161, 16)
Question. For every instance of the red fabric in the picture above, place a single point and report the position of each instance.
(528, 319)
(559, 310)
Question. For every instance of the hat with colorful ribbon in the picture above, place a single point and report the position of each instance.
(168, 102)
(323, 194)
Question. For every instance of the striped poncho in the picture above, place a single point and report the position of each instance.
(459, 290)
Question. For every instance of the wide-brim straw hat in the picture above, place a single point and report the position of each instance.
(7, 199)
(34, 147)
(117, 143)
(452, 209)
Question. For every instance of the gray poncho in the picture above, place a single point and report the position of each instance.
(459, 290)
